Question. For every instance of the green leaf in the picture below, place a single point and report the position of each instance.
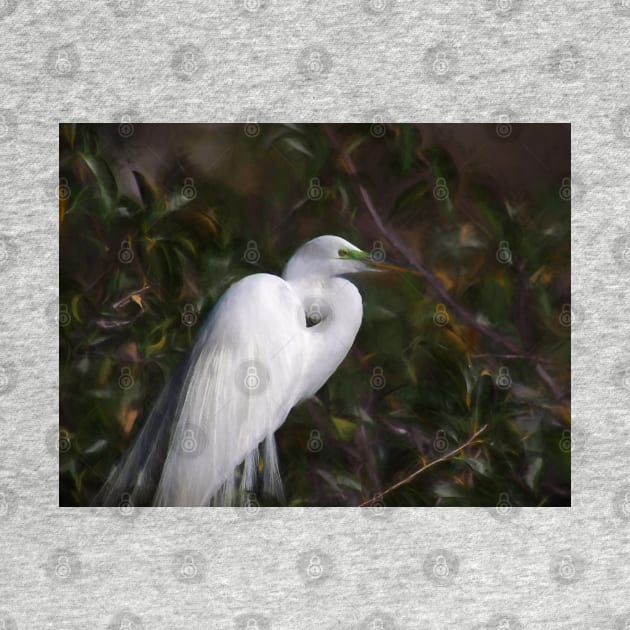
(478, 465)
(298, 146)
(104, 179)
(349, 482)
(149, 192)
(447, 490)
(99, 445)
(532, 475)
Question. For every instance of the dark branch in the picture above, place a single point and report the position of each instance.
(414, 474)
(432, 280)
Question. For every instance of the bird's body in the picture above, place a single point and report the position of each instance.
(268, 344)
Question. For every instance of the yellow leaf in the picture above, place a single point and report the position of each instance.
(128, 416)
(541, 276)
(367, 357)
(345, 428)
(138, 300)
(444, 279)
(104, 371)
(156, 347)
(130, 351)
(202, 220)
(454, 338)
(468, 236)
(74, 307)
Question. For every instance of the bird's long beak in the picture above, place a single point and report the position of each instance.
(375, 264)
(387, 266)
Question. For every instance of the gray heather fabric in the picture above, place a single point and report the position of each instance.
(307, 61)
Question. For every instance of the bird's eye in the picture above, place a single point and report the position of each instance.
(342, 253)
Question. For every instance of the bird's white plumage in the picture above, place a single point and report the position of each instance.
(269, 343)
(235, 394)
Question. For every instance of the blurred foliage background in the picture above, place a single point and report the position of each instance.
(157, 221)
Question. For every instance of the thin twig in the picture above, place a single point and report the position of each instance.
(414, 474)
(529, 357)
(435, 283)
(127, 298)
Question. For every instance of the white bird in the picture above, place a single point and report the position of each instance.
(268, 344)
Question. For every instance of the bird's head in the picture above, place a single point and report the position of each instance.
(328, 256)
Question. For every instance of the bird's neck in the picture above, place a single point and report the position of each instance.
(338, 304)
(337, 295)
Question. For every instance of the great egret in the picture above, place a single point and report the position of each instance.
(268, 344)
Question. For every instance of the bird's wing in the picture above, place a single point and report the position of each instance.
(243, 378)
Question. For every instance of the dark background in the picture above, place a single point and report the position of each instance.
(158, 220)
